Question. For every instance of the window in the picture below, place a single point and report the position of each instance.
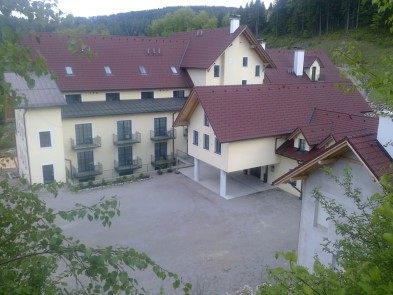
(124, 130)
(85, 161)
(245, 61)
(174, 70)
(206, 141)
(83, 134)
(314, 73)
(45, 139)
(257, 70)
(125, 155)
(147, 94)
(112, 96)
(107, 70)
(302, 145)
(160, 151)
(178, 93)
(216, 71)
(142, 70)
(217, 146)
(320, 215)
(195, 135)
(206, 121)
(48, 173)
(244, 82)
(69, 70)
(73, 98)
(160, 127)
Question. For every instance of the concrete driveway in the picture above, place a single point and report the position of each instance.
(218, 245)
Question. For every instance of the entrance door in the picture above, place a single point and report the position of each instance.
(48, 173)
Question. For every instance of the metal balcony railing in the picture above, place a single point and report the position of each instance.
(89, 143)
(91, 171)
(131, 165)
(120, 139)
(162, 134)
(163, 160)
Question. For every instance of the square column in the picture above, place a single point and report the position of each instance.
(223, 183)
(196, 169)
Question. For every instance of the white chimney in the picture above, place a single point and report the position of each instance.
(298, 62)
(385, 134)
(263, 44)
(235, 23)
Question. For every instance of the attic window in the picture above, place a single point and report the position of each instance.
(69, 70)
(302, 145)
(107, 70)
(174, 70)
(142, 70)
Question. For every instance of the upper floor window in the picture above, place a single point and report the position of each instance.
(160, 126)
(178, 93)
(217, 146)
(45, 139)
(206, 140)
(73, 98)
(244, 82)
(216, 71)
(112, 96)
(83, 133)
(147, 94)
(302, 145)
(206, 121)
(107, 70)
(69, 70)
(142, 70)
(124, 129)
(257, 70)
(245, 61)
(195, 136)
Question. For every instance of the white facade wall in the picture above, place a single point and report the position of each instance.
(308, 71)
(312, 229)
(32, 155)
(283, 166)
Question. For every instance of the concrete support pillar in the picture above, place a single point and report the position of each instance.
(223, 183)
(196, 169)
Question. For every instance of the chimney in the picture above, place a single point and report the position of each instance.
(298, 61)
(384, 135)
(235, 23)
(263, 44)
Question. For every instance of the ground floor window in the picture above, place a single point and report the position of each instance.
(48, 173)
(85, 161)
(161, 151)
(125, 155)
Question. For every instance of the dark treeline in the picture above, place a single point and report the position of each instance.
(312, 17)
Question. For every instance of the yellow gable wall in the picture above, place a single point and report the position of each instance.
(308, 71)
(106, 126)
(39, 120)
(127, 95)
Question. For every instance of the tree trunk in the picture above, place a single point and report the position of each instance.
(347, 28)
(357, 15)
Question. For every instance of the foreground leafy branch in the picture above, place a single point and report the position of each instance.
(36, 257)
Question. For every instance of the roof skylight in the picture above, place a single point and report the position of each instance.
(142, 70)
(69, 70)
(107, 70)
(174, 70)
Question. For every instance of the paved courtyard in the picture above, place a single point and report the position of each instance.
(219, 245)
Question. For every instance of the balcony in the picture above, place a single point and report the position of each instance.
(127, 138)
(132, 165)
(163, 161)
(162, 134)
(86, 144)
(94, 170)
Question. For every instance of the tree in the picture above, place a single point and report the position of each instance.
(364, 253)
(35, 256)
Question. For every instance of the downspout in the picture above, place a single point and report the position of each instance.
(71, 176)
(27, 145)
(173, 139)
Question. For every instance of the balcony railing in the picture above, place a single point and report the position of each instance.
(91, 172)
(86, 144)
(131, 165)
(163, 161)
(127, 138)
(162, 135)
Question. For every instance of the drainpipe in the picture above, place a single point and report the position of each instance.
(72, 177)
(173, 132)
(27, 145)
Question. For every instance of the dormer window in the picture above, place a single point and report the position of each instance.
(142, 70)
(107, 70)
(69, 70)
(302, 145)
(174, 70)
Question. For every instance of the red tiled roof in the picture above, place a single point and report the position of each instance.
(122, 54)
(283, 73)
(254, 111)
(288, 150)
(207, 45)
